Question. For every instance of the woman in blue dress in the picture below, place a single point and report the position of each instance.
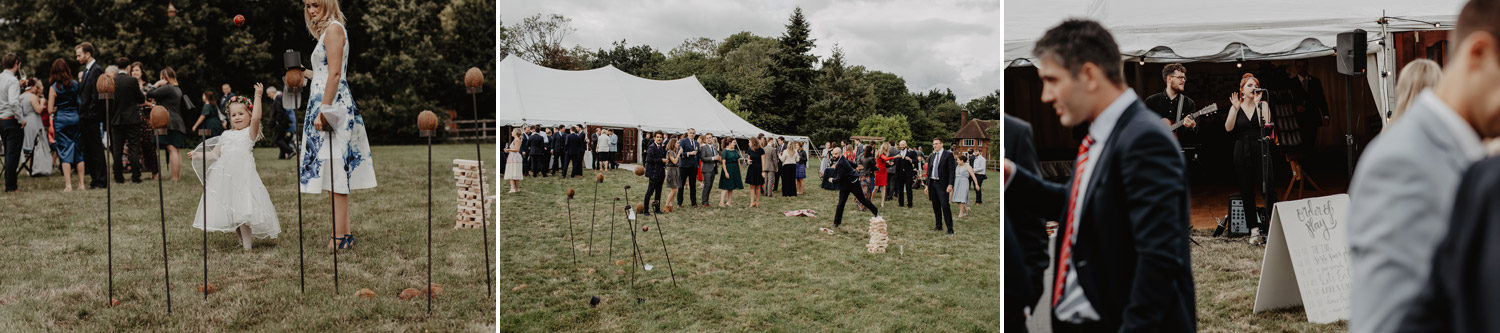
(63, 99)
(335, 148)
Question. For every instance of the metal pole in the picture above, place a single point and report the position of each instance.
(483, 224)
(301, 263)
(333, 205)
(593, 210)
(203, 134)
(109, 219)
(664, 248)
(429, 224)
(162, 207)
(571, 246)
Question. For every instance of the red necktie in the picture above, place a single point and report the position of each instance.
(1066, 251)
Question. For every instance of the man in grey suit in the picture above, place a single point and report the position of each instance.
(709, 154)
(1403, 191)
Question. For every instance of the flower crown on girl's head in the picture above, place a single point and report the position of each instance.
(240, 100)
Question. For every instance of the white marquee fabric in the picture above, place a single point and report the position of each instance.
(534, 95)
(1271, 29)
(1165, 31)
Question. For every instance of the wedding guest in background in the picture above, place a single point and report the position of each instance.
(708, 156)
(169, 95)
(730, 172)
(1415, 78)
(63, 99)
(1402, 196)
(10, 117)
(754, 174)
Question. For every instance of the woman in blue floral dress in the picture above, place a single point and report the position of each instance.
(335, 148)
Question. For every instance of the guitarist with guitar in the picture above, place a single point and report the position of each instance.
(1171, 104)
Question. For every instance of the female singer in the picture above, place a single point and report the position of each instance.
(1247, 115)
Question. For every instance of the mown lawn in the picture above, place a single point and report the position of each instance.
(54, 245)
(740, 268)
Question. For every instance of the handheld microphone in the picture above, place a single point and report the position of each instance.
(1259, 90)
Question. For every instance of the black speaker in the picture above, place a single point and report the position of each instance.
(1351, 52)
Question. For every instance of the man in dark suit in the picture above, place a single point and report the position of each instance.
(526, 151)
(656, 171)
(1312, 106)
(1020, 294)
(1030, 229)
(901, 181)
(848, 182)
(1123, 262)
(538, 154)
(1461, 293)
(687, 164)
(91, 115)
(564, 157)
(940, 184)
(559, 150)
(575, 151)
(125, 124)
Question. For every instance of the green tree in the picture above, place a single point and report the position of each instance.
(639, 60)
(842, 98)
(892, 128)
(986, 107)
(793, 74)
(400, 64)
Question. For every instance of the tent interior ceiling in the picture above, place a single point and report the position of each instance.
(1196, 30)
(534, 95)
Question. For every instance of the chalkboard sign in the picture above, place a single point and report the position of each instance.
(1307, 259)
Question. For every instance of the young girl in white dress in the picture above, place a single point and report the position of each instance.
(235, 198)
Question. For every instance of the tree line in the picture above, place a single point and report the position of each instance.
(408, 55)
(774, 83)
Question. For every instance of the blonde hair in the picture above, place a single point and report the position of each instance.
(330, 12)
(1415, 77)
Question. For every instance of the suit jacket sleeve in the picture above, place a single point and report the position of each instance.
(1019, 148)
(1029, 189)
(1154, 185)
(88, 90)
(950, 168)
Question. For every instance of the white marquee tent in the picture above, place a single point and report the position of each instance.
(534, 95)
(1227, 31)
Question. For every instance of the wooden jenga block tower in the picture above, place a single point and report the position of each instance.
(878, 239)
(471, 202)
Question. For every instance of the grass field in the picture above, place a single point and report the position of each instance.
(743, 269)
(54, 246)
(1225, 275)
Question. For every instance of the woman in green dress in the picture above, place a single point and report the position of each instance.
(731, 173)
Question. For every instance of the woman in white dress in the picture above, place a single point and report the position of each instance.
(335, 148)
(513, 165)
(235, 198)
(962, 176)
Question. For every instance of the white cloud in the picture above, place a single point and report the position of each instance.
(932, 44)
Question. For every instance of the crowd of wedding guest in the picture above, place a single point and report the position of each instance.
(762, 166)
(54, 120)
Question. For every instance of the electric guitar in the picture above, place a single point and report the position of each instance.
(1207, 110)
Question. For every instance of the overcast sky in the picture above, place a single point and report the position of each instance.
(930, 43)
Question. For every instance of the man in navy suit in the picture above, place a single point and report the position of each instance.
(940, 184)
(1122, 260)
(687, 164)
(656, 168)
(1029, 229)
(91, 116)
(575, 151)
(558, 148)
(538, 154)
